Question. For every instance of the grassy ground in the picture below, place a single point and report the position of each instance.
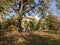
(28, 38)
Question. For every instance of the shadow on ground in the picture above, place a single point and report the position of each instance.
(27, 38)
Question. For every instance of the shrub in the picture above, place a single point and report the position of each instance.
(12, 28)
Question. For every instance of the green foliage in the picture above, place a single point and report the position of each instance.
(31, 25)
(51, 22)
(58, 4)
(3, 25)
(38, 25)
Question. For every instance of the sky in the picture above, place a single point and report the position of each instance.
(52, 7)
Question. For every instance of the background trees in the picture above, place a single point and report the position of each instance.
(24, 8)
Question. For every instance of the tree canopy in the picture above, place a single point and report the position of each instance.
(24, 8)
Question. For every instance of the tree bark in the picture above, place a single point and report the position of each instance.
(20, 14)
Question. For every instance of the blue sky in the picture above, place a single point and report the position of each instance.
(52, 7)
(36, 1)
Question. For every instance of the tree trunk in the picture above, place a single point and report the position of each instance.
(19, 25)
(20, 14)
(58, 31)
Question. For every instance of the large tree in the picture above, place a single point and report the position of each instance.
(21, 7)
(16, 5)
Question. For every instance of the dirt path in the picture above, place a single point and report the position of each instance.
(45, 34)
(28, 38)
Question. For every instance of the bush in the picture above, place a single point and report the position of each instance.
(12, 28)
